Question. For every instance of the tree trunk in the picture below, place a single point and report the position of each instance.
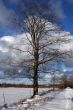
(35, 79)
(53, 81)
(35, 82)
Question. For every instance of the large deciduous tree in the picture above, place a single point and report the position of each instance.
(38, 21)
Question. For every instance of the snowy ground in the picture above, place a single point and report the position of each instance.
(13, 95)
(62, 100)
(58, 100)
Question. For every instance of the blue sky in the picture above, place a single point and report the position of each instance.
(63, 8)
(67, 22)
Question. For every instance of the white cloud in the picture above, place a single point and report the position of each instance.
(3, 49)
(20, 41)
(66, 47)
(48, 76)
(51, 76)
(7, 43)
(67, 44)
(8, 39)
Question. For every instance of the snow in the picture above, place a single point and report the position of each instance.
(62, 101)
(13, 95)
(52, 100)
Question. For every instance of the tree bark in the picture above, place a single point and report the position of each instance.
(35, 82)
(35, 79)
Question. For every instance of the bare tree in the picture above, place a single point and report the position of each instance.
(42, 46)
(38, 20)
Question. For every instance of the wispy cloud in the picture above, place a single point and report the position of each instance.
(57, 6)
(5, 15)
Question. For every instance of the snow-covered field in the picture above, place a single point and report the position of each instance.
(63, 100)
(13, 95)
(57, 100)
